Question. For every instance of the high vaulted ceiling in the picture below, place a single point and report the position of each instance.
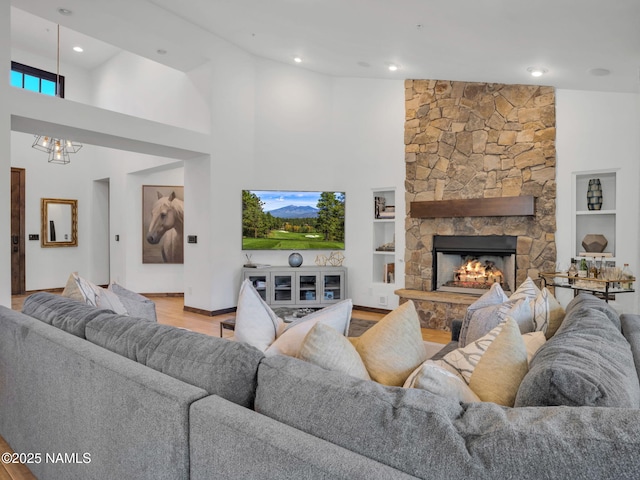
(472, 40)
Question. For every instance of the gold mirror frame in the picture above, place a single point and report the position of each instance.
(45, 239)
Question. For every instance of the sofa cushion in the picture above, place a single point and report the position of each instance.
(393, 347)
(326, 347)
(62, 312)
(135, 304)
(587, 362)
(409, 429)
(631, 331)
(219, 366)
(585, 300)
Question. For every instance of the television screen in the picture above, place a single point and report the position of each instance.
(292, 220)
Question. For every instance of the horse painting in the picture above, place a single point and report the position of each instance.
(166, 227)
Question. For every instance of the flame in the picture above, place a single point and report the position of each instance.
(474, 271)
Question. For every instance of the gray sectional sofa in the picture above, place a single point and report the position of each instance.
(135, 399)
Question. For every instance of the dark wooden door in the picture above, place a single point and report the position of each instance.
(17, 231)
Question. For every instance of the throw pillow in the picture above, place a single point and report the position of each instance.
(483, 320)
(527, 289)
(256, 323)
(109, 300)
(136, 305)
(552, 311)
(393, 347)
(289, 342)
(494, 296)
(499, 372)
(463, 361)
(433, 378)
(326, 347)
(532, 342)
(81, 289)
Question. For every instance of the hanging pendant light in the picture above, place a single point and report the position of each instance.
(57, 148)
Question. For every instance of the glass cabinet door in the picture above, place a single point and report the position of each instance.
(332, 287)
(307, 288)
(282, 288)
(259, 282)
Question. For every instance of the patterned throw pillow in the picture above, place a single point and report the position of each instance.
(83, 290)
(433, 378)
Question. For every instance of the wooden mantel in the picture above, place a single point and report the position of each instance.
(474, 207)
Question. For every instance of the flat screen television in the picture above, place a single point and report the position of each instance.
(292, 220)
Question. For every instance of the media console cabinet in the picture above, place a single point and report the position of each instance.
(302, 287)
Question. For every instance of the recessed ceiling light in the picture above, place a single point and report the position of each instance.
(65, 11)
(161, 51)
(78, 49)
(297, 59)
(537, 71)
(393, 67)
(599, 72)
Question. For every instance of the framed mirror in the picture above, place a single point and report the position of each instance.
(59, 222)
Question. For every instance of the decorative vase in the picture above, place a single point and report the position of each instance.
(594, 243)
(295, 260)
(594, 194)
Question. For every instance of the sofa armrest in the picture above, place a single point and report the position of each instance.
(456, 325)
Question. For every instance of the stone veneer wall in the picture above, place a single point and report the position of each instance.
(473, 140)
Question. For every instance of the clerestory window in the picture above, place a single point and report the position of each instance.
(36, 80)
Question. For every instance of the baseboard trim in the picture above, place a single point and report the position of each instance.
(209, 313)
(49, 290)
(166, 294)
(383, 311)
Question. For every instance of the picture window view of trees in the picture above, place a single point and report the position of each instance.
(288, 220)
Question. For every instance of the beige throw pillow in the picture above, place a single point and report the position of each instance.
(500, 371)
(326, 347)
(393, 347)
(532, 342)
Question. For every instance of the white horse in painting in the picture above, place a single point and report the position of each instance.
(167, 225)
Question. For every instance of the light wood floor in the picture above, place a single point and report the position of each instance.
(170, 312)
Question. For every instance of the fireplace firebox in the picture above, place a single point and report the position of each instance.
(471, 264)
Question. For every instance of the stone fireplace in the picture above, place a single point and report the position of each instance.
(475, 144)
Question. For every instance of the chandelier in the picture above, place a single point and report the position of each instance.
(57, 148)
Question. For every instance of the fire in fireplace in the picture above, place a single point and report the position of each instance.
(471, 264)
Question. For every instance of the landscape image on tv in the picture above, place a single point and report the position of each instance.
(292, 220)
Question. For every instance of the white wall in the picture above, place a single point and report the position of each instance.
(128, 83)
(5, 153)
(597, 131)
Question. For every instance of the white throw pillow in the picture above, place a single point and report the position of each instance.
(83, 290)
(433, 378)
(547, 313)
(527, 289)
(289, 342)
(256, 323)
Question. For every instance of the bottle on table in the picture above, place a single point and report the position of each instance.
(626, 278)
(573, 271)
